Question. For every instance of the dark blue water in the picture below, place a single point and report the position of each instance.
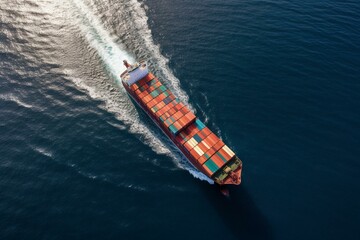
(277, 80)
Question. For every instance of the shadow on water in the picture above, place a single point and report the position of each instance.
(239, 213)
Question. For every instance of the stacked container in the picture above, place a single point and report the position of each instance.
(163, 104)
(200, 143)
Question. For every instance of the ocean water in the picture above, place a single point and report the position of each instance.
(277, 80)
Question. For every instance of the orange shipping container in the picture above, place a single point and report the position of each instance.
(177, 115)
(179, 106)
(152, 103)
(172, 111)
(177, 125)
(216, 159)
(218, 145)
(150, 89)
(142, 94)
(184, 110)
(134, 87)
(206, 131)
(204, 146)
(211, 139)
(147, 98)
(194, 153)
(157, 84)
(190, 116)
(193, 131)
(210, 152)
(160, 105)
(183, 120)
(148, 77)
(207, 170)
(188, 146)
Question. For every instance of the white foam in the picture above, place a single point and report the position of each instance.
(13, 98)
(43, 151)
(99, 39)
(141, 22)
(118, 103)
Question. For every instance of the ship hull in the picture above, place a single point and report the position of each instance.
(236, 175)
(164, 130)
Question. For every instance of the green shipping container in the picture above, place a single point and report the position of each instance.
(211, 165)
(173, 129)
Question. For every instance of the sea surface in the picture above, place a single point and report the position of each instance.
(279, 81)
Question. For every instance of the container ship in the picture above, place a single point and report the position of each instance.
(204, 150)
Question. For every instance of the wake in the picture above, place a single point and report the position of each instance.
(112, 55)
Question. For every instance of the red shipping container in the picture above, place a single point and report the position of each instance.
(142, 99)
(177, 115)
(141, 82)
(207, 131)
(163, 111)
(217, 160)
(202, 159)
(177, 125)
(134, 87)
(212, 139)
(185, 110)
(188, 146)
(148, 77)
(218, 145)
(179, 139)
(182, 107)
(204, 146)
(157, 85)
(167, 108)
(207, 170)
(193, 131)
(202, 133)
(160, 105)
(143, 87)
(168, 122)
(159, 98)
(190, 116)
(194, 153)
(172, 111)
(147, 98)
(208, 142)
(224, 154)
(170, 106)
(162, 97)
(151, 103)
(142, 94)
(190, 128)
(210, 152)
(183, 120)
(160, 112)
(166, 115)
(150, 89)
